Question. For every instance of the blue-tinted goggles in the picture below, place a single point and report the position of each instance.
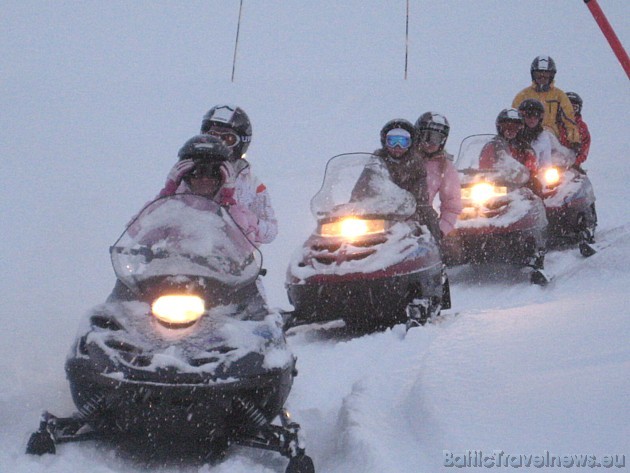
(396, 140)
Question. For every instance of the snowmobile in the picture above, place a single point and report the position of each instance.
(368, 262)
(569, 201)
(503, 220)
(184, 355)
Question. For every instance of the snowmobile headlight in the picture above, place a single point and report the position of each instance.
(178, 309)
(482, 192)
(353, 227)
(551, 176)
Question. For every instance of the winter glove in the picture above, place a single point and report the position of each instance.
(576, 147)
(578, 168)
(245, 219)
(226, 194)
(175, 176)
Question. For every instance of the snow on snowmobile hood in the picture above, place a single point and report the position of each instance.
(184, 234)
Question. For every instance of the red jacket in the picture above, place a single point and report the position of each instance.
(585, 138)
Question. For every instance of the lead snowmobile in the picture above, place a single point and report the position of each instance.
(183, 353)
(569, 201)
(503, 220)
(367, 262)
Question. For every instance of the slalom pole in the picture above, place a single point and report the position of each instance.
(238, 29)
(407, 40)
(610, 35)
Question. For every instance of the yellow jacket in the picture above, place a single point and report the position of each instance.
(558, 108)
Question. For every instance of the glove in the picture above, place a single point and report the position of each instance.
(226, 194)
(245, 219)
(175, 176)
(576, 147)
(578, 168)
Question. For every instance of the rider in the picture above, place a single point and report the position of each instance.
(431, 130)
(558, 109)
(509, 123)
(249, 197)
(204, 168)
(405, 169)
(585, 135)
(542, 141)
(397, 138)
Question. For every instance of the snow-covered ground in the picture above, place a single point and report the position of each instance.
(96, 99)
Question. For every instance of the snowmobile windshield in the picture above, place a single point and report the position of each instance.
(184, 235)
(359, 184)
(488, 158)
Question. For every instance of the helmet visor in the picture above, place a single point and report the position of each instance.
(511, 127)
(431, 137)
(531, 113)
(229, 138)
(207, 170)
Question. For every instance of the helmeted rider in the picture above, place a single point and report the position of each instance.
(406, 171)
(404, 168)
(557, 107)
(431, 131)
(245, 196)
(206, 167)
(585, 135)
(509, 123)
(544, 143)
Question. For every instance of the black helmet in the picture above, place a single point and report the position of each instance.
(508, 115)
(204, 148)
(235, 118)
(543, 63)
(396, 123)
(576, 100)
(435, 122)
(532, 107)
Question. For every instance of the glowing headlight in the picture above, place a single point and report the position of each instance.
(551, 176)
(178, 310)
(482, 192)
(352, 227)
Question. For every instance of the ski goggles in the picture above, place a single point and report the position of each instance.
(229, 138)
(432, 137)
(393, 141)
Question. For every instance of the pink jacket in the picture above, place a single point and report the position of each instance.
(443, 180)
(252, 194)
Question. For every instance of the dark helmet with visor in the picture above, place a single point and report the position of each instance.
(233, 118)
(532, 107)
(208, 153)
(576, 100)
(509, 117)
(543, 64)
(432, 128)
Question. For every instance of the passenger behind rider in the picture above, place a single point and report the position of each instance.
(557, 107)
(245, 196)
(548, 149)
(509, 123)
(585, 135)
(432, 130)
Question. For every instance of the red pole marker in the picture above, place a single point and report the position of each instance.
(608, 31)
